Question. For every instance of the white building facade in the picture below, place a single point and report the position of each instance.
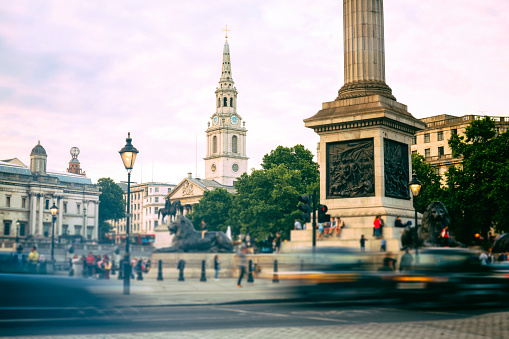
(28, 193)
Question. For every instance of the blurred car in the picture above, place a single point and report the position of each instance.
(450, 276)
(332, 273)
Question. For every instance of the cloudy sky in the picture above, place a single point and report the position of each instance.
(84, 73)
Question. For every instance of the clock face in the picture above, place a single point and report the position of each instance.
(234, 120)
(215, 120)
(75, 151)
(213, 167)
(235, 167)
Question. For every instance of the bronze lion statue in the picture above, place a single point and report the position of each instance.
(435, 219)
(187, 239)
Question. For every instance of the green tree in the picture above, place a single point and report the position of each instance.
(111, 204)
(476, 193)
(214, 208)
(431, 189)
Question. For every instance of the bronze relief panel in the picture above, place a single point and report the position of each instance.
(396, 169)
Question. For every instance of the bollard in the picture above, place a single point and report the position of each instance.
(120, 270)
(250, 274)
(160, 271)
(203, 274)
(275, 279)
(181, 265)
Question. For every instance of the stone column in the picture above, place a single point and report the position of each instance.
(40, 228)
(363, 32)
(96, 220)
(33, 213)
(60, 215)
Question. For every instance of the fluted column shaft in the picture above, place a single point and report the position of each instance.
(363, 32)
(364, 51)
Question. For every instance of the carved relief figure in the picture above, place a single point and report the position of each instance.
(396, 169)
(350, 169)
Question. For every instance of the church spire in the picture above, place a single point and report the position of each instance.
(226, 74)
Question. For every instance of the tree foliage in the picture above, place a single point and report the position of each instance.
(111, 203)
(477, 193)
(214, 208)
(431, 189)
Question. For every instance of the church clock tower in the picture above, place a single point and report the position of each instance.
(226, 133)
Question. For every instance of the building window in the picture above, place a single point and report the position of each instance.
(155, 223)
(225, 102)
(46, 229)
(77, 229)
(46, 206)
(218, 102)
(90, 230)
(234, 144)
(427, 153)
(156, 199)
(65, 207)
(414, 140)
(8, 201)
(23, 202)
(440, 135)
(157, 189)
(437, 170)
(22, 229)
(7, 227)
(231, 102)
(441, 151)
(156, 209)
(214, 144)
(78, 207)
(414, 152)
(426, 137)
(65, 229)
(454, 131)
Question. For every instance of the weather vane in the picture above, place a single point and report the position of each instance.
(226, 30)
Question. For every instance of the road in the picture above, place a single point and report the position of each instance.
(258, 319)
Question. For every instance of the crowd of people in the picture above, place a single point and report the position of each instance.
(101, 267)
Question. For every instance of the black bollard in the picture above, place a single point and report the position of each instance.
(120, 270)
(181, 265)
(139, 271)
(250, 273)
(275, 279)
(203, 274)
(160, 271)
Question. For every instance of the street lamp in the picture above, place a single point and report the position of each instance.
(54, 211)
(128, 154)
(17, 233)
(415, 186)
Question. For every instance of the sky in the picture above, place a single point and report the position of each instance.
(85, 73)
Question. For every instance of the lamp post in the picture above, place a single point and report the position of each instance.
(54, 211)
(17, 233)
(415, 186)
(128, 154)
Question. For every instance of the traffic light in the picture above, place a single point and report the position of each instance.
(305, 207)
(322, 216)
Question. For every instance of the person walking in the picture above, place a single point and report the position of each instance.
(363, 243)
(217, 267)
(406, 261)
(242, 265)
(107, 267)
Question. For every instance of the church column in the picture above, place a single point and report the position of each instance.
(40, 228)
(33, 212)
(60, 215)
(96, 221)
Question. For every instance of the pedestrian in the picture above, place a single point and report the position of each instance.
(406, 261)
(382, 224)
(99, 267)
(389, 264)
(203, 228)
(217, 267)
(363, 243)
(376, 227)
(340, 225)
(399, 223)
(383, 245)
(277, 242)
(75, 266)
(84, 267)
(42, 264)
(297, 225)
(242, 265)
(33, 259)
(107, 267)
(484, 258)
(90, 265)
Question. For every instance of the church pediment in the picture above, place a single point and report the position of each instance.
(185, 189)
